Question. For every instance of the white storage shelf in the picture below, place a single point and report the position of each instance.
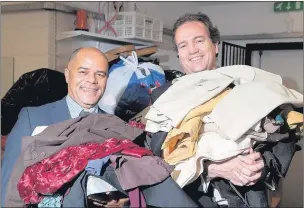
(136, 26)
(98, 37)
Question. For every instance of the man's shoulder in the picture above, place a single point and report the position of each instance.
(47, 114)
(45, 109)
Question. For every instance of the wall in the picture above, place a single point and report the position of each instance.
(27, 37)
(286, 63)
(166, 54)
(6, 75)
(168, 12)
(65, 47)
(241, 18)
(168, 57)
(292, 73)
(232, 18)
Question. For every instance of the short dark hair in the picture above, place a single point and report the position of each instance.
(75, 52)
(214, 33)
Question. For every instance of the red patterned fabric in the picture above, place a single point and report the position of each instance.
(47, 176)
(137, 125)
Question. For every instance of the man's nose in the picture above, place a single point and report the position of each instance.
(92, 78)
(193, 49)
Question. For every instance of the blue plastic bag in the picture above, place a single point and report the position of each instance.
(129, 87)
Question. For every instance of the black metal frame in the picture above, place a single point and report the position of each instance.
(270, 47)
(238, 55)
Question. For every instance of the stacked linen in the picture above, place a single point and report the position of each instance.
(258, 108)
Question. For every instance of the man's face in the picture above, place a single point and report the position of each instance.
(195, 49)
(86, 76)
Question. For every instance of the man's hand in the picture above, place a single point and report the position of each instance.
(242, 170)
(113, 203)
(113, 199)
(117, 203)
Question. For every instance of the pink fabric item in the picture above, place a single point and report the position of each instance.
(137, 125)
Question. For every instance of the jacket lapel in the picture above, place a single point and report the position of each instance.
(60, 111)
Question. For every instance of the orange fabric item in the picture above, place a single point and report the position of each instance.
(81, 20)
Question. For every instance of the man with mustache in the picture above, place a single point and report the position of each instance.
(196, 41)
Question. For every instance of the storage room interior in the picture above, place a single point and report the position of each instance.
(38, 35)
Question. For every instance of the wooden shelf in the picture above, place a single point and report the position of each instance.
(96, 36)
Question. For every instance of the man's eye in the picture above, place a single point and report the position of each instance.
(81, 72)
(182, 46)
(200, 40)
(101, 75)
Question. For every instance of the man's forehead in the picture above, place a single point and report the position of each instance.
(192, 29)
(86, 54)
(78, 65)
(187, 38)
(91, 60)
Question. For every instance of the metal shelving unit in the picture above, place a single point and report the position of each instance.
(98, 37)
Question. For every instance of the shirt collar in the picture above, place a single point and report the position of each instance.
(75, 108)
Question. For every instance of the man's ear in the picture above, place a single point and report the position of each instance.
(216, 47)
(66, 74)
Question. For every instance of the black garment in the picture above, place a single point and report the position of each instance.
(164, 194)
(197, 194)
(76, 196)
(277, 157)
(173, 74)
(157, 92)
(34, 88)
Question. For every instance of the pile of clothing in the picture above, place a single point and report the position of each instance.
(94, 157)
(219, 114)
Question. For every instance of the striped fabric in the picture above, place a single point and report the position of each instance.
(75, 108)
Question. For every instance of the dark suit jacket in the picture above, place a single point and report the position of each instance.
(277, 158)
(29, 118)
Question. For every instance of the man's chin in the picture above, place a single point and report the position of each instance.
(90, 102)
(199, 69)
